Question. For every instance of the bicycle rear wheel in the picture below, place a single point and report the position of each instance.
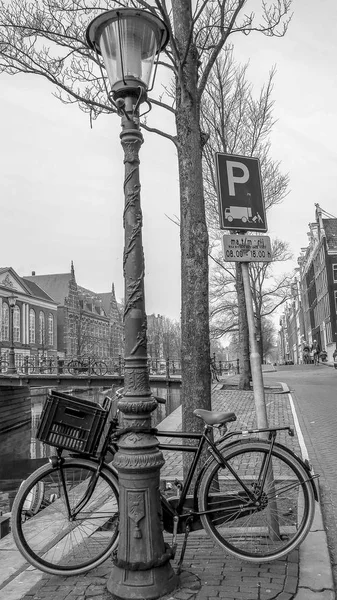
(278, 523)
(74, 367)
(47, 536)
(99, 367)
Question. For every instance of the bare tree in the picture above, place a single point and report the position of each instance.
(164, 337)
(46, 38)
(269, 337)
(269, 292)
(237, 122)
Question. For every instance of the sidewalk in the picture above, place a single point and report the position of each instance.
(208, 573)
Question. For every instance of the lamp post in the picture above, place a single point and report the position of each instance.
(11, 355)
(129, 41)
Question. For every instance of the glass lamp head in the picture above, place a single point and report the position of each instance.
(129, 41)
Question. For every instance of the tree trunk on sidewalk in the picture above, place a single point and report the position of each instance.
(245, 372)
(195, 349)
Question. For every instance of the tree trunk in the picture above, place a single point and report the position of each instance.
(195, 347)
(245, 372)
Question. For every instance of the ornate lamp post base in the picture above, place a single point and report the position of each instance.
(150, 588)
(149, 574)
(142, 569)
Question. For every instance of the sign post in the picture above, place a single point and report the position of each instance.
(241, 207)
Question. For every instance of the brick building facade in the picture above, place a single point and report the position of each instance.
(88, 323)
(317, 290)
(34, 319)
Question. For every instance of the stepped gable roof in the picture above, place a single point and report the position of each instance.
(330, 228)
(37, 291)
(109, 301)
(87, 292)
(55, 285)
(105, 297)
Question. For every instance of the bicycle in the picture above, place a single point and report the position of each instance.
(44, 365)
(254, 497)
(87, 365)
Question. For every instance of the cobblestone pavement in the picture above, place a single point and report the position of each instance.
(208, 573)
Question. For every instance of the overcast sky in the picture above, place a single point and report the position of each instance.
(61, 182)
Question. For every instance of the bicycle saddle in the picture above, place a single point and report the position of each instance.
(214, 418)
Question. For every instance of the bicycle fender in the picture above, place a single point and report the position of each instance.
(112, 469)
(305, 464)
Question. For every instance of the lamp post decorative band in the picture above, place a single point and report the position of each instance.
(129, 40)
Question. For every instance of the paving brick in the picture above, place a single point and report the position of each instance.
(94, 590)
(285, 596)
(181, 595)
(291, 584)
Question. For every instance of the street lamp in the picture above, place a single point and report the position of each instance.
(129, 41)
(11, 356)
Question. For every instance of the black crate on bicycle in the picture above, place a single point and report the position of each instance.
(71, 423)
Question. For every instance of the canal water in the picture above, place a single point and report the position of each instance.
(19, 443)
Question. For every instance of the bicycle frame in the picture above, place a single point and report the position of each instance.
(185, 509)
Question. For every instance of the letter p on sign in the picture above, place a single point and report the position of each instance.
(232, 180)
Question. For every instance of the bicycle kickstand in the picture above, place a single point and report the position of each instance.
(183, 548)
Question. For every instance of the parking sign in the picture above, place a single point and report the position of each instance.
(241, 204)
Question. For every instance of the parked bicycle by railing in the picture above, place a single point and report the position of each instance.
(254, 497)
(43, 365)
(87, 365)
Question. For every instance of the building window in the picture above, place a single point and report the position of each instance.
(50, 329)
(42, 328)
(16, 324)
(334, 273)
(5, 323)
(32, 326)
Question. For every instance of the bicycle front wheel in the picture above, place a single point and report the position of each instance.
(276, 521)
(64, 519)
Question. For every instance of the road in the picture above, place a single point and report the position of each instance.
(314, 391)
